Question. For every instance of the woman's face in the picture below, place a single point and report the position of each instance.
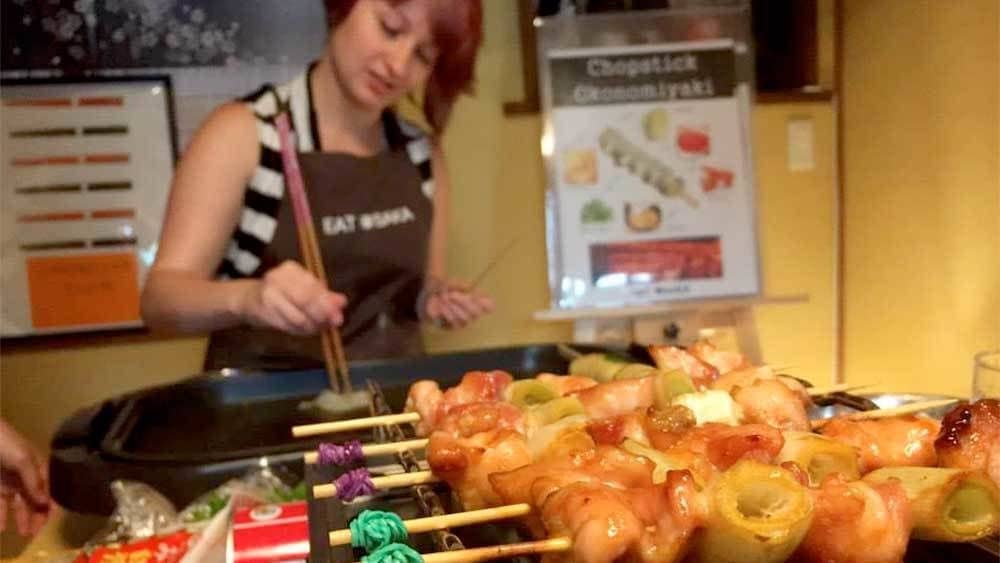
(382, 50)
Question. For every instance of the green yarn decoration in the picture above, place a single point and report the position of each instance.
(374, 529)
(394, 553)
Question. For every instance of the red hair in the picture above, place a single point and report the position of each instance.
(457, 29)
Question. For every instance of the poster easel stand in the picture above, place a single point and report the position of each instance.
(728, 322)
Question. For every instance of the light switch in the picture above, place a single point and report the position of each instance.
(801, 144)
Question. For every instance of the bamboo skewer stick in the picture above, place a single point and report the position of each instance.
(377, 449)
(384, 482)
(333, 350)
(496, 260)
(901, 410)
(457, 519)
(500, 551)
(353, 424)
(567, 352)
(474, 555)
(838, 388)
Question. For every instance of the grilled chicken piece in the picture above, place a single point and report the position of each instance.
(672, 512)
(970, 438)
(607, 465)
(769, 401)
(855, 522)
(887, 442)
(426, 397)
(617, 397)
(722, 360)
(599, 519)
(566, 384)
(466, 463)
(471, 419)
(712, 448)
(746, 377)
(669, 358)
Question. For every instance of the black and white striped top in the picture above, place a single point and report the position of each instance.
(265, 192)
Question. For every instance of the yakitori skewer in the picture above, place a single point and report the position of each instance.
(373, 421)
(403, 552)
(911, 408)
(359, 482)
(353, 424)
(355, 452)
(838, 388)
(359, 534)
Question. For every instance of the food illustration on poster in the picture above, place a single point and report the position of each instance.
(596, 212)
(651, 132)
(642, 218)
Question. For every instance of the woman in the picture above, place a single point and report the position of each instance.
(228, 260)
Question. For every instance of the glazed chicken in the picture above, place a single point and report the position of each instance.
(722, 360)
(433, 404)
(617, 397)
(855, 522)
(670, 358)
(476, 387)
(887, 442)
(607, 465)
(466, 463)
(747, 377)
(769, 401)
(970, 438)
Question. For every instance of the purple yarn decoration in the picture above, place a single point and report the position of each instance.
(355, 483)
(346, 454)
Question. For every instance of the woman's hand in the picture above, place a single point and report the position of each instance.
(452, 304)
(292, 300)
(24, 483)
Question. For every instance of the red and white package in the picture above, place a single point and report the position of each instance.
(158, 549)
(270, 533)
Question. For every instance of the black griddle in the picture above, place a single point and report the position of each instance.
(189, 437)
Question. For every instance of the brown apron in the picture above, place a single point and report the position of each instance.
(373, 222)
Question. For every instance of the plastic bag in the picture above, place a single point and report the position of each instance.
(140, 512)
(260, 486)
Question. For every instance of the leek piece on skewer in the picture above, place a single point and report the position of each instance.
(557, 409)
(528, 392)
(819, 456)
(711, 406)
(759, 514)
(601, 367)
(950, 505)
(669, 385)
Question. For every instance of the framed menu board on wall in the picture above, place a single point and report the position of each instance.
(646, 142)
(86, 169)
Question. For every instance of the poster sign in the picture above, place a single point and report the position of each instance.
(651, 187)
(86, 172)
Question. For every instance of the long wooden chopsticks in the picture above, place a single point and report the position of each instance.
(333, 350)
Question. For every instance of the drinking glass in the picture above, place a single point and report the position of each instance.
(986, 375)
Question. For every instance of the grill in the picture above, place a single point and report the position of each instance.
(186, 438)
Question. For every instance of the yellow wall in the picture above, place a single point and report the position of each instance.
(498, 194)
(922, 190)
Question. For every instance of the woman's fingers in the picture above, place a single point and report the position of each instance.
(22, 514)
(39, 516)
(298, 302)
(285, 315)
(457, 308)
(4, 505)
